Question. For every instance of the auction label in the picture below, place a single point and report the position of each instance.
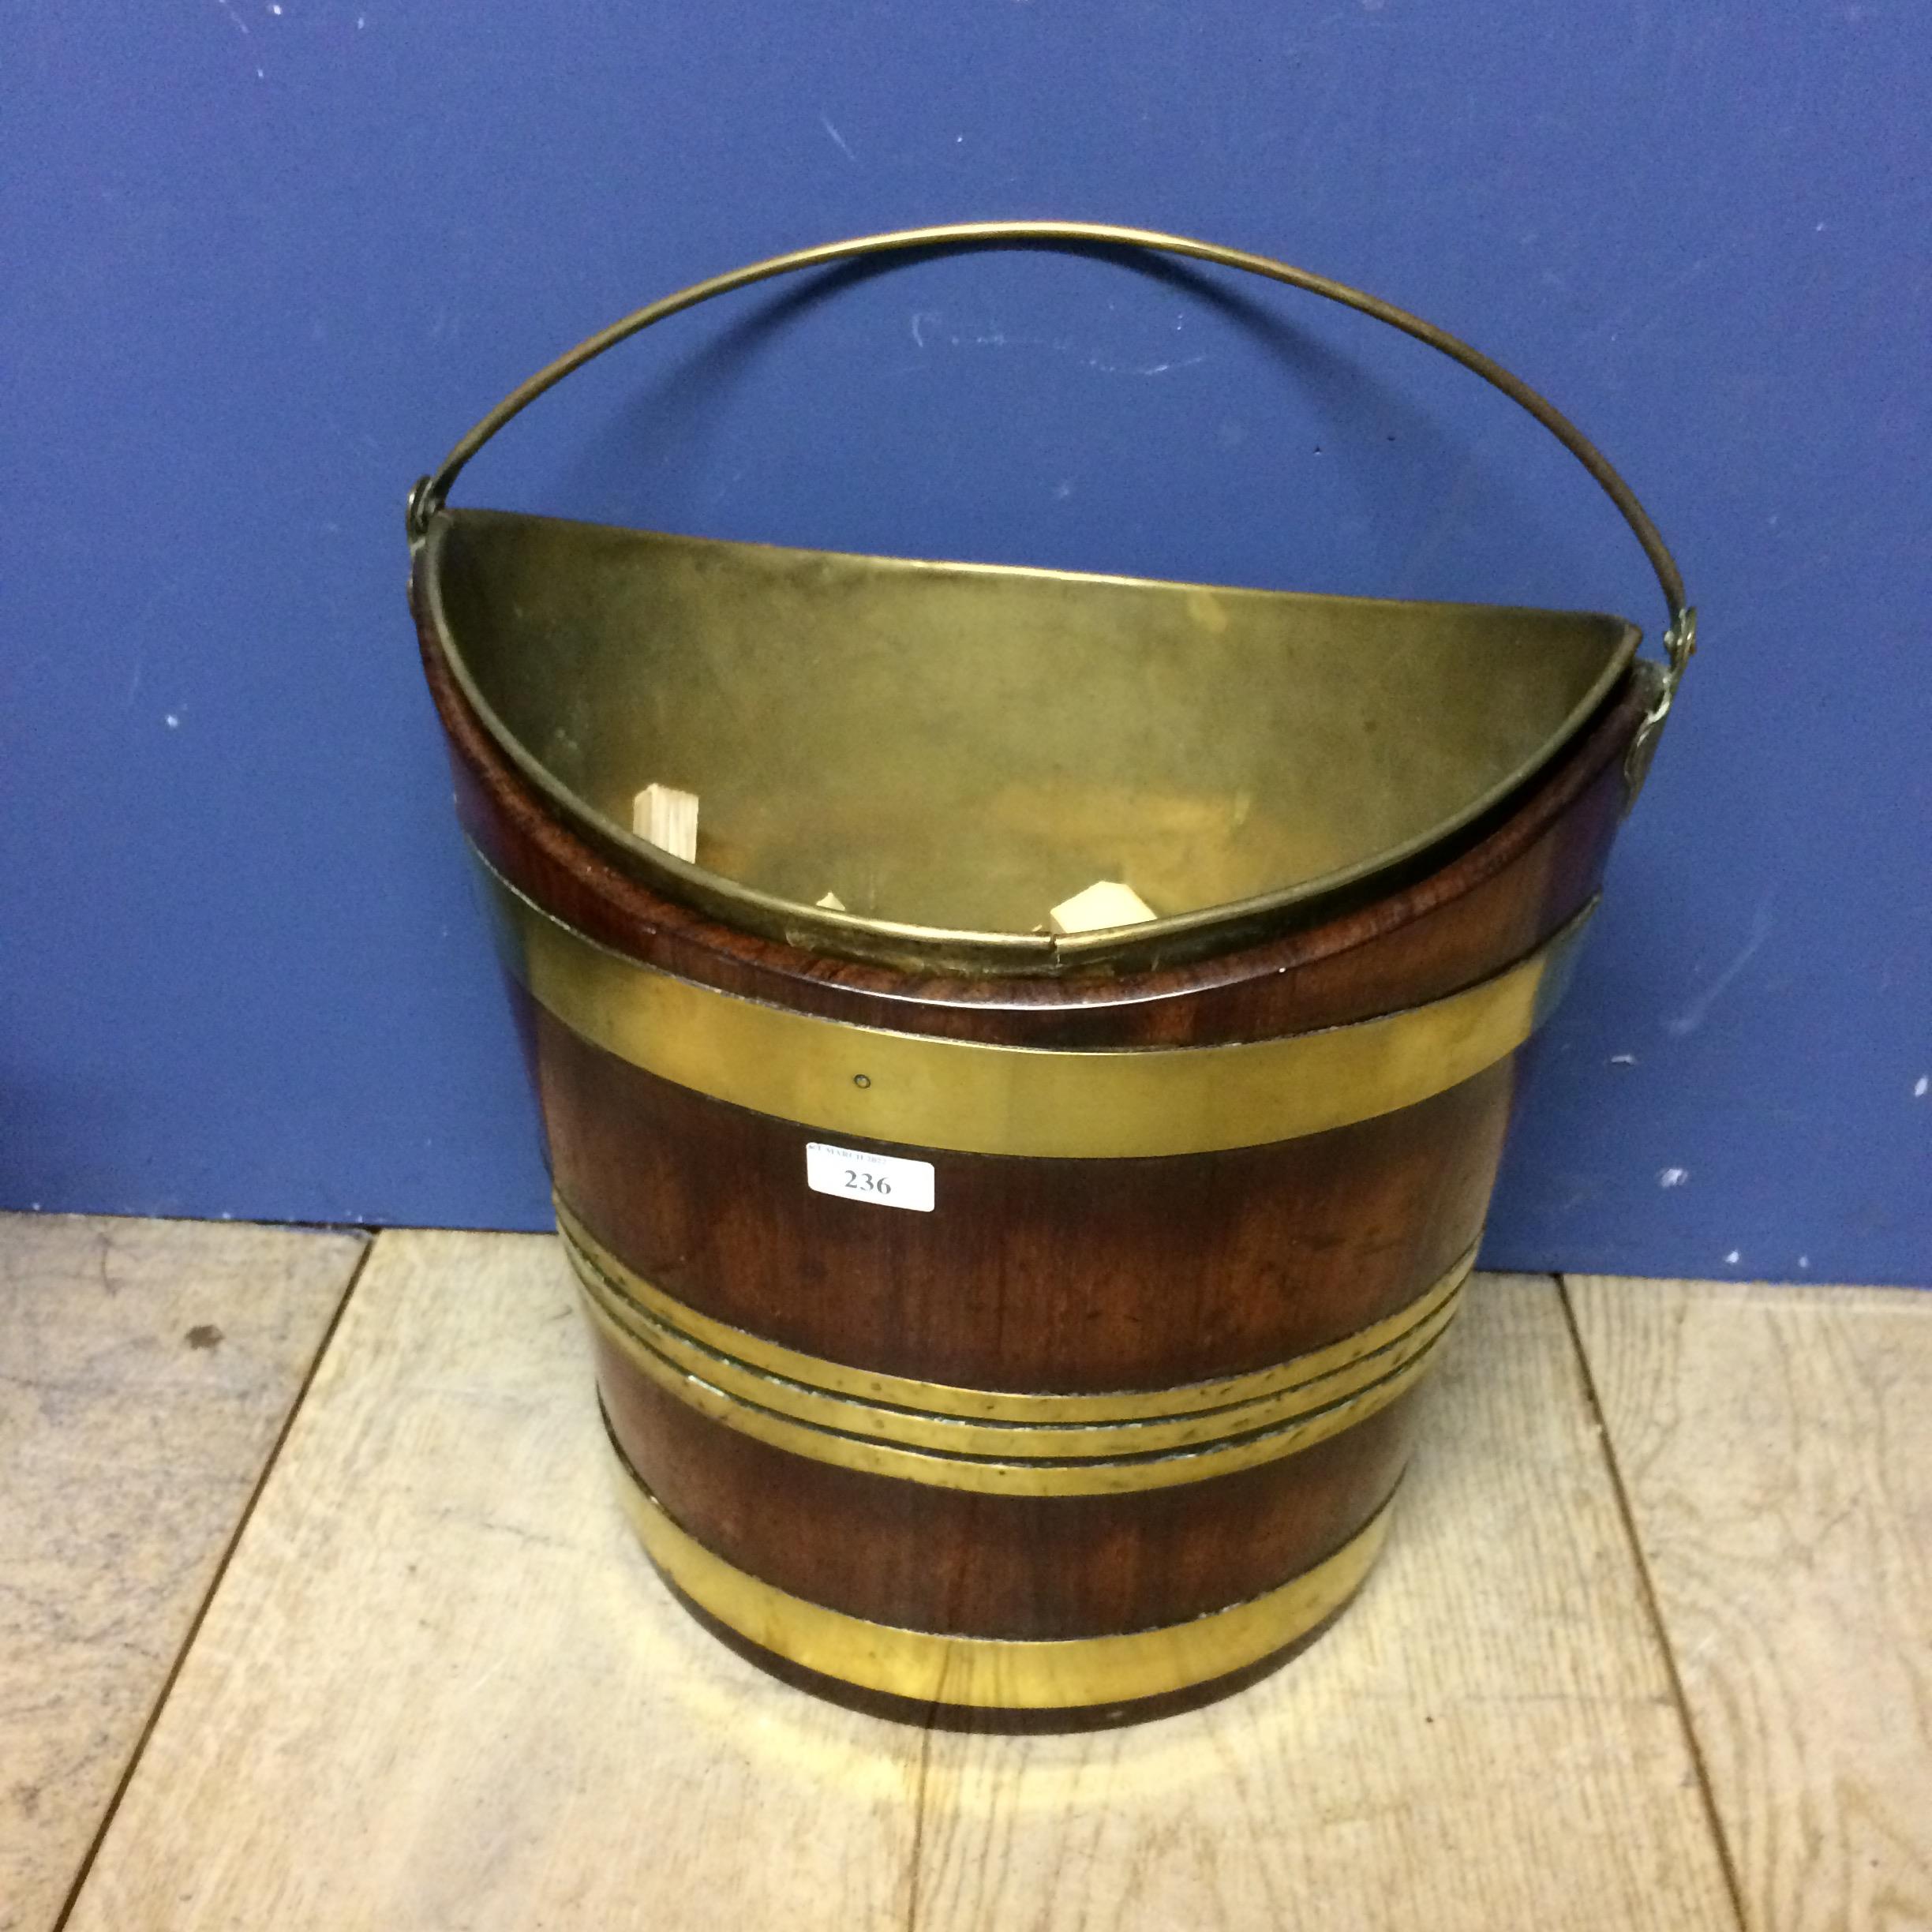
(880, 1179)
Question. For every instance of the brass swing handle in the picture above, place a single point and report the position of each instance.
(1679, 637)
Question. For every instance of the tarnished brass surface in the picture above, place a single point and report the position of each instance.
(949, 750)
(990, 1672)
(921, 1091)
(953, 749)
(638, 1316)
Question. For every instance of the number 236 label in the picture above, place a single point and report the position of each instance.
(879, 1179)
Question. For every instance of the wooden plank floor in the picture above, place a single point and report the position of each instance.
(1776, 1447)
(1488, 1740)
(1649, 1646)
(438, 1687)
(146, 1369)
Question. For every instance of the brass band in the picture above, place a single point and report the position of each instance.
(918, 1090)
(994, 1672)
(634, 1330)
(993, 1476)
(945, 1398)
(1147, 1449)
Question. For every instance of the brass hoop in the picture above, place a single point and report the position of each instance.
(1138, 1423)
(931, 1667)
(967, 1096)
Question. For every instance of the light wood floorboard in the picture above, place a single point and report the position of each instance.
(1776, 1446)
(1488, 1740)
(439, 1687)
(146, 1370)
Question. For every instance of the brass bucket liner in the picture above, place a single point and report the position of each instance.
(952, 749)
(1019, 1374)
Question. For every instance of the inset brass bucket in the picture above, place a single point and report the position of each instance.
(936, 1241)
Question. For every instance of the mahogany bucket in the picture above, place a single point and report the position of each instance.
(1024, 1056)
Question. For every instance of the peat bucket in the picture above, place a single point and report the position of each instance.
(1022, 1159)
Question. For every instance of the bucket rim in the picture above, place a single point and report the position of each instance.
(1168, 939)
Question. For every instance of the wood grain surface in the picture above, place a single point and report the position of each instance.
(440, 1688)
(1030, 1568)
(1034, 1275)
(1087, 1275)
(1488, 1738)
(146, 1370)
(1776, 1446)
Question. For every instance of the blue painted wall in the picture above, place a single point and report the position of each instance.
(266, 261)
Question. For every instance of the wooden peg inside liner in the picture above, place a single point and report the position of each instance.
(667, 818)
(1105, 902)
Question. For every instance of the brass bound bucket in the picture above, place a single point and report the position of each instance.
(1022, 1156)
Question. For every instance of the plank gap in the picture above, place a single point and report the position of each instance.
(215, 1583)
(921, 1777)
(1653, 1609)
